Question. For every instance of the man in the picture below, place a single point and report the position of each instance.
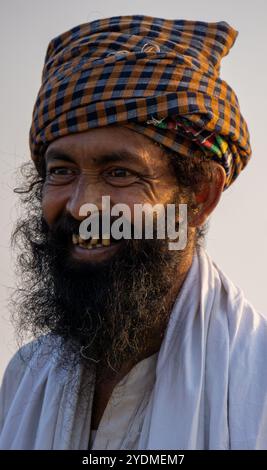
(137, 346)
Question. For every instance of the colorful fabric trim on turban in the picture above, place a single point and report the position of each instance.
(156, 76)
(212, 145)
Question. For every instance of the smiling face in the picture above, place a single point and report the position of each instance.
(109, 304)
(113, 161)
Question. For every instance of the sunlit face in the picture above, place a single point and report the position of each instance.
(113, 161)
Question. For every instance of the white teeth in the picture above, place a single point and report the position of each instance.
(106, 241)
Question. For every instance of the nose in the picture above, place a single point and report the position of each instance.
(84, 192)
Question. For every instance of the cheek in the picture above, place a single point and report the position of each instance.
(152, 194)
(131, 195)
(159, 190)
(54, 200)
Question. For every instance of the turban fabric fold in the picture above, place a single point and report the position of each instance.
(156, 76)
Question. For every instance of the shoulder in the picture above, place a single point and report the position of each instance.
(237, 361)
(238, 325)
(247, 398)
(31, 358)
(229, 305)
(245, 323)
(35, 351)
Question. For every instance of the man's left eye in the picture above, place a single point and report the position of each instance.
(120, 177)
(120, 173)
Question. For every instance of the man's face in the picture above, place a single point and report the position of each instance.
(106, 302)
(112, 161)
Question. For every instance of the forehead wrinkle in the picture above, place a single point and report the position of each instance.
(116, 156)
(119, 156)
(101, 150)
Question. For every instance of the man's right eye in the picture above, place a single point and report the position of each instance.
(60, 171)
(59, 174)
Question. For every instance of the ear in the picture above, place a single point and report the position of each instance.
(208, 196)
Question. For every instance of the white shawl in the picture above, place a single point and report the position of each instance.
(211, 380)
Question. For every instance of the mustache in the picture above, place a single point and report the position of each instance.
(66, 225)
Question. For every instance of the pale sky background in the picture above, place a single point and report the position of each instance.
(237, 236)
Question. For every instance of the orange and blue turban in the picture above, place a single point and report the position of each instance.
(155, 76)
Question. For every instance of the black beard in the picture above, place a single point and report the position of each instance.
(103, 313)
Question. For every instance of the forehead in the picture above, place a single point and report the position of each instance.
(89, 145)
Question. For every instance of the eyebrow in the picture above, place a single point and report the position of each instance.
(111, 157)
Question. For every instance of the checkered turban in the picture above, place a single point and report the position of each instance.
(155, 76)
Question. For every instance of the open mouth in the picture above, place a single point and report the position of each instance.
(95, 250)
(93, 243)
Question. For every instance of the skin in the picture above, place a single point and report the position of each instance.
(87, 177)
(78, 173)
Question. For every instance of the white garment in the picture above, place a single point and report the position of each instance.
(210, 390)
(92, 438)
(123, 418)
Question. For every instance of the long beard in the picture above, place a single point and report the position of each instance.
(104, 313)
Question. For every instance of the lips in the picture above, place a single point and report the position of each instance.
(95, 249)
(92, 243)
